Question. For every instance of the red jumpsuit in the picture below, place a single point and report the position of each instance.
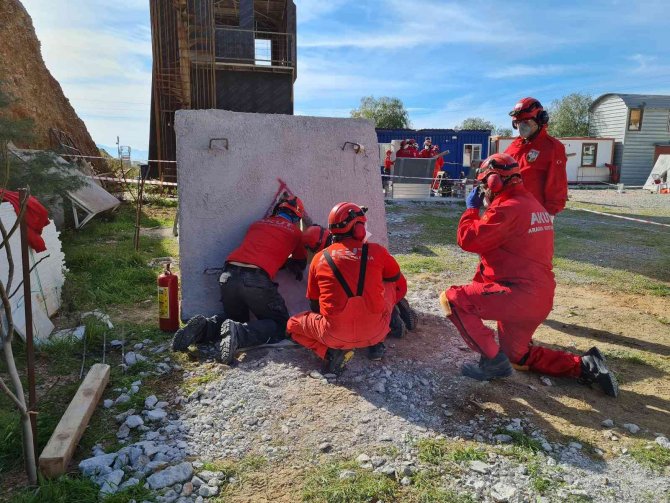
(425, 153)
(406, 152)
(514, 283)
(268, 243)
(542, 162)
(347, 321)
(388, 164)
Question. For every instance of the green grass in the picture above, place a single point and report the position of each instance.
(436, 452)
(521, 440)
(104, 268)
(323, 485)
(77, 490)
(426, 488)
(654, 456)
(540, 483)
(192, 383)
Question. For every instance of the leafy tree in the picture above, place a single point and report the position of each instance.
(569, 116)
(40, 172)
(385, 112)
(479, 123)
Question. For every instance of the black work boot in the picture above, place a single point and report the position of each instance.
(192, 333)
(595, 370)
(397, 326)
(489, 368)
(408, 315)
(336, 360)
(229, 342)
(376, 352)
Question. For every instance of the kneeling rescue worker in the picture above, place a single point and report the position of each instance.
(247, 286)
(352, 288)
(514, 283)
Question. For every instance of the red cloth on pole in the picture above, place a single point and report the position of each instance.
(36, 215)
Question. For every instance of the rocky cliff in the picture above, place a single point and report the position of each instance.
(25, 77)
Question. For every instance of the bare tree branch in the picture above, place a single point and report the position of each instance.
(31, 270)
(12, 397)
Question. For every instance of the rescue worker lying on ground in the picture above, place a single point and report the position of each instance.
(514, 284)
(247, 286)
(352, 288)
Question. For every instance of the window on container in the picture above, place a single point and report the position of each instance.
(589, 154)
(263, 54)
(471, 152)
(635, 119)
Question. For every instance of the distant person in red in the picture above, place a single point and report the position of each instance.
(352, 289)
(414, 147)
(247, 286)
(405, 150)
(427, 150)
(514, 283)
(388, 163)
(541, 157)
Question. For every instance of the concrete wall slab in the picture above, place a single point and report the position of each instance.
(223, 190)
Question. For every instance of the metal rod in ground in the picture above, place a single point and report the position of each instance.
(28, 307)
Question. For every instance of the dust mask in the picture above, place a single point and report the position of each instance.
(525, 130)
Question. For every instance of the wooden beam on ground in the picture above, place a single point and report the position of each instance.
(58, 452)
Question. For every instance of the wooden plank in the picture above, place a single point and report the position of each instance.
(58, 452)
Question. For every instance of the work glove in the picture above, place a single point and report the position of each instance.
(475, 199)
(296, 267)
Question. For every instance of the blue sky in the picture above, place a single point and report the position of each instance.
(447, 60)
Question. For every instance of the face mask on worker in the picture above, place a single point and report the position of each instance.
(526, 129)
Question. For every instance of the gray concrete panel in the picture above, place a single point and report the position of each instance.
(222, 191)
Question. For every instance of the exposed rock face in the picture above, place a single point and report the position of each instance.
(25, 77)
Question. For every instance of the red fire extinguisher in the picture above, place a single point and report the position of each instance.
(168, 300)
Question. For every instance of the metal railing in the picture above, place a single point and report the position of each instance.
(255, 48)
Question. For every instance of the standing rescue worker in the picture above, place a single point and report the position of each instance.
(247, 286)
(541, 157)
(514, 284)
(352, 290)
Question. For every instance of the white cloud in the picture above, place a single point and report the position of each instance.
(308, 10)
(515, 71)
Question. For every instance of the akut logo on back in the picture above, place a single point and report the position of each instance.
(540, 221)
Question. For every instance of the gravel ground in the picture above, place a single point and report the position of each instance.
(630, 201)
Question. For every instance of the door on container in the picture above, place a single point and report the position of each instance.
(472, 154)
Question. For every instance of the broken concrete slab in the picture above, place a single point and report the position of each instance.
(228, 166)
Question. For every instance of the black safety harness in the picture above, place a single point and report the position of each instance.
(361, 273)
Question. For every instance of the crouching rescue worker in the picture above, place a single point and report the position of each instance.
(247, 286)
(514, 284)
(352, 290)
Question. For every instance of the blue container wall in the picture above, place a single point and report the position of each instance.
(447, 139)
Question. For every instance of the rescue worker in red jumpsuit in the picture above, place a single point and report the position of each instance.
(247, 286)
(427, 150)
(541, 157)
(388, 164)
(352, 290)
(514, 284)
(405, 150)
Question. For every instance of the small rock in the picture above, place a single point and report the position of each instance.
(187, 490)
(546, 446)
(123, 398)
(663, 442)
(330, 376)
(197, 482)
(325, 447)
(134, 389)
(111, 481)
(123, 432)
(170, 476)
(97, 464)
(389, 471)
(208, 491)
(347, 474)
(405, 481)
(138, 346)
(632, 428)
(379, 388)
(156, 415)
(362, 459)
(479, 467)
(502, 438)
(150, 402)
(546, 381)
(502, 492)
(131, 358)
(607, 423)
(134, 421)
(575, 445)
(116, 344)
(315, 374)
(107, 403)
(377, 461)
